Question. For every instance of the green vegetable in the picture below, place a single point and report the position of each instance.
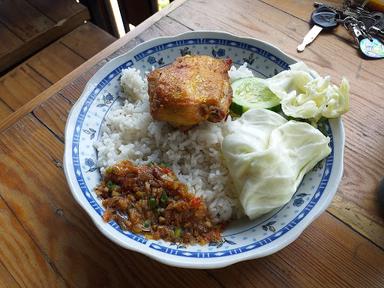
(164, 198)
(250, 93)
(268, 156)
(178, 232)
(152, 202)
(109, 170)
(163, 164)
(112, 186)
(236, 108)
(305, 94)
(147, 223)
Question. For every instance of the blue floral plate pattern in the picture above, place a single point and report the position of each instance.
(242, 239)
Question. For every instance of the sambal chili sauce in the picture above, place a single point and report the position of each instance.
(149, 200)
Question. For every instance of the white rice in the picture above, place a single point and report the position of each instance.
(238, 73)
(195, 156)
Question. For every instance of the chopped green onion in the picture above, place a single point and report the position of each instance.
(152, 202)
(163, 164)
(109, 170)
(147, 223)
(110, 185)
(164, 198)
(178, 232)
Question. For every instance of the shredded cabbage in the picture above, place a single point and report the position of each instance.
(305, 94)
(268, 156)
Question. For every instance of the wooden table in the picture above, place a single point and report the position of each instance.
(46, 240)
(49, 65)
(26, 26)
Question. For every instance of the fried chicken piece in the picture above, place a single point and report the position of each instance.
(190, 90)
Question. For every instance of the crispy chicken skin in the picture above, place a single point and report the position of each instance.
(190, 90)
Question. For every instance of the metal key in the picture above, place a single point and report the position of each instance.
(311, 35)
(322, 18)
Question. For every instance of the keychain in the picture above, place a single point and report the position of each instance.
(372, 48)
(369, 46)
(367, 28)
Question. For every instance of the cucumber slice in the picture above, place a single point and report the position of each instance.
(250, 93)
(236, 108)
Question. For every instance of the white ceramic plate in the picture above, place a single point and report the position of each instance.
(243, 239)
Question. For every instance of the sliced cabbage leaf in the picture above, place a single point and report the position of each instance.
(305, 94)
(268, 156)
(301, 91)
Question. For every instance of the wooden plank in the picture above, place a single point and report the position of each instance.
(6, 279)
(58, 10)
(73, 90)
(53, 113)
(23, 83)
(299, 8)
(35, 38)
(20, 85)
(369, 70)
(87, 40)
(5, 110)
(23, 19)
(18, 249)
(36, 189)
(335, 58)
(303, 10)
(328, 254)
(9, 41)
(55, 62)
(28, 107)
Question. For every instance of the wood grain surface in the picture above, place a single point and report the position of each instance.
(87, 40)
(29, 79)
(6, 279)
(18, 247)
(10, 40)
(59, 10)
(339, 249)
(31, 25)
(20, 85)
(58, 61)
(23, 19)
(5, 110)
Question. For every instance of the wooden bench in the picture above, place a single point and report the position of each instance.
(40, 71)
(26, 26)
